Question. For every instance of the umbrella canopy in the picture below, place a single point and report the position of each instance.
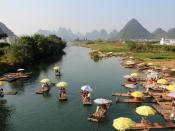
(56, 68)
(100, 101)
(135, 74)
(20, 69)
(170, 87)
(127, 76)
(86, 88)
(130, 86)
(162, 81)
(46, 80)
(145, 110)
(1, 83)
(123, 123)
(62, 84)
(171, 94)
(137, 94)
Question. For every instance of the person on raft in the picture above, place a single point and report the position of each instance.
(57, 72)
(45, 87)
(86, 96)
(62, 92)
(100, 110)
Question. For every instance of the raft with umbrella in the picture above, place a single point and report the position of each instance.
(86, 89)
(145, 124)
(45, 88)
(57, 70)
(123, 123)
(62, 91)
(103, 105)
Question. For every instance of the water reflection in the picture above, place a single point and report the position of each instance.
(5, 114)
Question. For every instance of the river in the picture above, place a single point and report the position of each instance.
(30, 112)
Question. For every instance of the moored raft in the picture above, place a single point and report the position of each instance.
(141, 126)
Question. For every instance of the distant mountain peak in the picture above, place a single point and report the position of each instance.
(133, 30)
(4, 29)
(159, 33)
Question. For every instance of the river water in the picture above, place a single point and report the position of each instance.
(30, 112)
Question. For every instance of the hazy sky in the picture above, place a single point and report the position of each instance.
(27, 16)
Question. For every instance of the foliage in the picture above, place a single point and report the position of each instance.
(149, 47)
(30, 48)
(3, 35)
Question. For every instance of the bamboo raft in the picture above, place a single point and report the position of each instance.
(126, 94)
(141, 126)
(10, 93)
(164, 112)
(13, 76)
(63, 98)
(93, 119)
(133, 100)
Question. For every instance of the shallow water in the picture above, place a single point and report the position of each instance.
(30, 112)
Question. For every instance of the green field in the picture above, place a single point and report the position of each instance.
(119, 47)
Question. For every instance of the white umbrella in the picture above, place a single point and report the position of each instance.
(127, 76)
(86, 88)
(20, 69)
(130, 86)
(100, 101)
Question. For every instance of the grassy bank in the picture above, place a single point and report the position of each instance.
(161, 55)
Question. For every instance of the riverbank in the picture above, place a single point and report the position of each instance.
(158, 56)
(29, 50)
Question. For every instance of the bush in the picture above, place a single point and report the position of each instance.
(28, 49)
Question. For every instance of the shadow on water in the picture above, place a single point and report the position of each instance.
(5, 114)
(36, 69)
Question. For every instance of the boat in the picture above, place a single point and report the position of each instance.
(127, 95)
(100, 112)
(14, 76)
(63, 97)
(10, 93)
(86, 102)
(43, 90)
(141, 126)
(134, 100)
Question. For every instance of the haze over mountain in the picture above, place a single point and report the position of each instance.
(132, 30)
(159, 33)
(67, 34)
(5, 29)
(171, 33)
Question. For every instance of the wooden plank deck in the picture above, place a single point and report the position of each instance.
(126, 94)
(141, 126)
(165, 112)
(134, 101)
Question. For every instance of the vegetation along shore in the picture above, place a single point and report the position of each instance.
(141, 51)
(29, 49)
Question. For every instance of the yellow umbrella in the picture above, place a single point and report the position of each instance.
(123, 123)
(162, 81)
(170, 87)
(62, 84)
(46, 80)
(138, 94)
(145, 110)
(56, 68)
(135, 74)
(1, 83)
